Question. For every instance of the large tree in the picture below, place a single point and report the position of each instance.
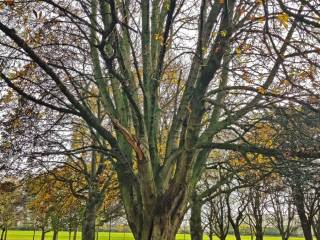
(174, 79)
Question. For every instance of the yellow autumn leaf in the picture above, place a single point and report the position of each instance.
(158, 37)
(283, 18)
(238, 50)
(167, 5)
(285, 82)
(223, 33)
(261, 19)
(205, 50)
(259, 2)
(261, 90)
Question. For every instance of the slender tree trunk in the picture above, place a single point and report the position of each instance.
(196, 229)
(316, 229)
(43, 234)
(69, 233)
(55, 235)
(89, 220)
(34, 234)
(298, 198)
(234, 223)
(75, 231)
(2, 233)
(223, 237)
(236, 232)
(317, 235)
(5, 234)
(306, 227)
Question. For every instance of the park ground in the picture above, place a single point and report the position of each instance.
(27, 235)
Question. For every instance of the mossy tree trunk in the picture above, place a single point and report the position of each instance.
(196, 230)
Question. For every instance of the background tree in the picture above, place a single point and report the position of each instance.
(10, 201)
(283, 212)
(237, 203)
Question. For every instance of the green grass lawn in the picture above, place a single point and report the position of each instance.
(27, 235)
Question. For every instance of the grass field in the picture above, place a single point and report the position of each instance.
(27, 235)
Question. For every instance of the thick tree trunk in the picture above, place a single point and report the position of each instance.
(159, 226)
(160, 229)
(298, 198)
(155, 207)
(158, 218)
(259, 232)
(306, 227)
(89, 220)
(55, 235)
(196, 229)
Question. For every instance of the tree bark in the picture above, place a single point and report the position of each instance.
(43, 234)
(234, 223)
(75, 231)
(317, 234)
(89, 220)
(196, 229)
(298, 198)
(316, 228)
(153, 217)
(236, 231)
(259, 233)
(34, 234)
(55, 235)
(159, 228)
(2, 233)
(162, 223)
